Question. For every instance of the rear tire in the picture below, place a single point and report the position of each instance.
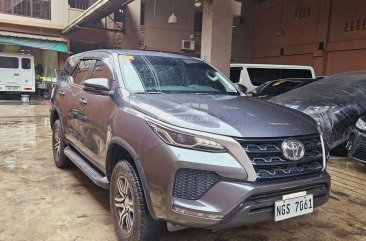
(130, 215)
(58, 146)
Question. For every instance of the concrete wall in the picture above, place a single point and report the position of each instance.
(158, 34)
(338, 25)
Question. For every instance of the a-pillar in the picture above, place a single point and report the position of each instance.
(217, 33)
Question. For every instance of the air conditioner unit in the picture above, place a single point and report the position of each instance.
(188, 45)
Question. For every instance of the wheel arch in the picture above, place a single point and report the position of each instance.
(118, 149)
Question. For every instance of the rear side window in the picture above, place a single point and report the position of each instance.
(235, 74)
(9, 62)
(26, 63)
(82, 71)
(259, 76)
(69, 66)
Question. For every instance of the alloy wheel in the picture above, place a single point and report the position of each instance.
(123, 202)
(57, 144)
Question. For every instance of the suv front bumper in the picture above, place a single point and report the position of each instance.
(231, 201)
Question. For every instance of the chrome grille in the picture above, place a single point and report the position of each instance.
(360, 149)
(269, 162)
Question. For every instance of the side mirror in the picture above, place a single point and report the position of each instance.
(242, 88)
(98, 85)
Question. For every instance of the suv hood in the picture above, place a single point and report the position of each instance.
(236, 116)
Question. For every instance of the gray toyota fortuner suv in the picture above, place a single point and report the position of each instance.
(177, 144)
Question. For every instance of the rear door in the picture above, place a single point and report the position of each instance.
(27, 81)
(10, 73)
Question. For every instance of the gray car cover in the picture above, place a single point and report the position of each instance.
(335, 102)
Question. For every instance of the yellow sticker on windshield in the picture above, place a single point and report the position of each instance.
(128, 57)
(278, 83)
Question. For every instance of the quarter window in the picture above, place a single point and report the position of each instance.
(9, 63)
(81, 72)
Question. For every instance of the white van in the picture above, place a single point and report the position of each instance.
(17, 73)
(253, 75)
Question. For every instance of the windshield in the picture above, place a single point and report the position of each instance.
(274, 88)
(157, 74)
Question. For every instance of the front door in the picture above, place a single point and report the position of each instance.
(97, 110)
(71, 91)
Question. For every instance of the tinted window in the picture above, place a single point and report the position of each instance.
(235, 74)
(9, 62)
(259, 76)
(26, 63)
(278, 87)
(81, 72)
(69, 66)
(173, 75)
(101, 70)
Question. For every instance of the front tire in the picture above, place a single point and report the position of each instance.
(58, 146)
(130, 215)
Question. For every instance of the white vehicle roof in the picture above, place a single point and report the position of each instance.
(16, 55)
(271, 66)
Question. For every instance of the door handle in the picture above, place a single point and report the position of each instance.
(83, 101)
(62, 93)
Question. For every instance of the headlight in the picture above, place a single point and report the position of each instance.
(179, 139)
(361, 124)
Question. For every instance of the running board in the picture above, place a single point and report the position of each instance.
(85, 167)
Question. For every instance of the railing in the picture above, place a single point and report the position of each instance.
(28, 8)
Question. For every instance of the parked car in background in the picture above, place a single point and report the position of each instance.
(178, 145)
(356, 145)
(17, 73)
(278, 87)
(253, 75)
(335, 102)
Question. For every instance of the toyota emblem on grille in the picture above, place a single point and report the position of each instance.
(293, 150)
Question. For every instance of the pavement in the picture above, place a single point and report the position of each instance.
(40, 202)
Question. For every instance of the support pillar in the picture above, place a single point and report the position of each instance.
(217, 33)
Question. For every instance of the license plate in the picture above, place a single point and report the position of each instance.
(12, 88)
(293, 207)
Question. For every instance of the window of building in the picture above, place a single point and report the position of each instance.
(79, 4)
(142, 14)
(9, 63)
(82, 71)
(26, 63)
(198, 17)
(28, 8)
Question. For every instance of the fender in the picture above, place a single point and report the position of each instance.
(119, 141)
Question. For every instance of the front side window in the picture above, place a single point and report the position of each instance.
(9, 62)
(82, 71)
(26, 63)
(146, 74)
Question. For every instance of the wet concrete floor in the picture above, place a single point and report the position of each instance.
(40, 202)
